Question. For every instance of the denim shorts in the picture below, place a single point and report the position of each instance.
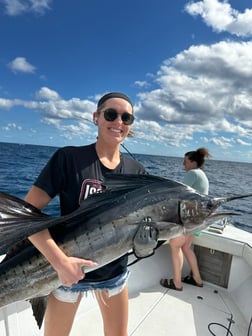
(113, 287)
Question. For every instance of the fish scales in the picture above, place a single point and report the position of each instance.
(102, 229)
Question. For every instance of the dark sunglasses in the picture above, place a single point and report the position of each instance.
(111, 115)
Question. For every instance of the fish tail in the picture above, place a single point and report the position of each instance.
(18, 220)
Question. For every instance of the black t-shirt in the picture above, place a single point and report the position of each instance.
(74, 173)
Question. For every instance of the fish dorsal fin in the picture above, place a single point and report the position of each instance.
(130, 182)
(17, 220)
(11, 206)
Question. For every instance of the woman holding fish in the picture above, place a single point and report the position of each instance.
(74, 173)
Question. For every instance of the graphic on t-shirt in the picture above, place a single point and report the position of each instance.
(90, 187)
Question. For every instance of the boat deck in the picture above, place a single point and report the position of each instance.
(157, 311)
(195, 311)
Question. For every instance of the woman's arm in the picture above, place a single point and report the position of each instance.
(69, 269)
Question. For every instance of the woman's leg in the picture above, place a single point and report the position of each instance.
(191, 258)
(177, 259)
(114, 312)
(59, 316)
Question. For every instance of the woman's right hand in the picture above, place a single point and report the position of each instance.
(70, 270)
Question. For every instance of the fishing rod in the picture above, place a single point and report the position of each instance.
(124, 147)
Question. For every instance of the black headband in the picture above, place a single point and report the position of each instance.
(113, 95)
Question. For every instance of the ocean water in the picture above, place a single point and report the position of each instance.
(20, 165)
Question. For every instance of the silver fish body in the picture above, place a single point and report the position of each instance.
(102, 229)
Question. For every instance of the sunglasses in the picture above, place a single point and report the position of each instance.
(111, 115)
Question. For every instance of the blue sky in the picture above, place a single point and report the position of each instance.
(186, 65)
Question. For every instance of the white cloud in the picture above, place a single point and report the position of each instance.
(19, 7)
(20, 64)
(141, 84)
(47, 94)
(202, 90)
(203, 86)
(11, 126)
(5, 104)
(68, 116)
(202, 93)
(222, 142)
(53, 106)
(222, 17)
(183, 108)
(241, 142)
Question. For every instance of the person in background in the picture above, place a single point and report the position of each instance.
(196, 178)
(75, 173)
